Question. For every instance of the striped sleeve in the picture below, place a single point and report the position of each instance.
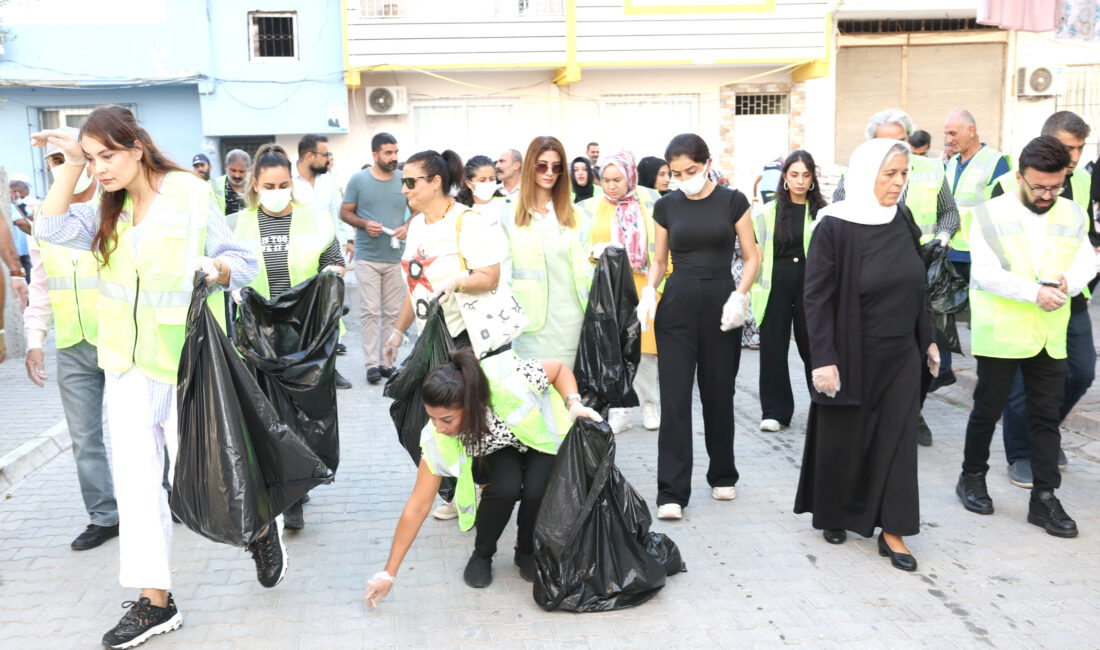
(947, 212)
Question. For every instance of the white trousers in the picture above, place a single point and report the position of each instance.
(137, 453)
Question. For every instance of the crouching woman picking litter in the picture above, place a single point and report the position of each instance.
(498, 422)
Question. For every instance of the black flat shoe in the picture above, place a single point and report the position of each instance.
(902, 561)
(924, 434)
(479, 571)
(834, 535)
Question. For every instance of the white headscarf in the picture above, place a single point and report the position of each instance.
(859, 204)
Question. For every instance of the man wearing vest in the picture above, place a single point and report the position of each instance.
(1030, 253)
(64, 287)
(970, 172)
(929, 199)
(229, 188)
(1071, 131)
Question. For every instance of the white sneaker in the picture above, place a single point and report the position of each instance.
(446, 511)
(724, 493)
(650, 419)
(770, 425)
(619, 420)
(670, 511)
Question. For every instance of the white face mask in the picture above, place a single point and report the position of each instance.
(694, 185)
(484, 191)
(275, 200)
(83, 182)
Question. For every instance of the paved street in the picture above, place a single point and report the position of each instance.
(759, 576)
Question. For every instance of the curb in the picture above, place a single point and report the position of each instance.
(36, 452)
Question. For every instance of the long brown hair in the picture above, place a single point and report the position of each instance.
(118, 129)
(461, 383)
(563, 206)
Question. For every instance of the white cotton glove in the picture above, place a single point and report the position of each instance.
(734, 311)
(389, 351)
(207, 266)
(446, 288)
(236, 295)
(578, 410)
(647, 306)
(827, 380)
(934, 359)
(378, 587)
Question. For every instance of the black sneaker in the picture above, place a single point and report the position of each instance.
(374, 375)
(924, 434)
(144, 620)
(526, 564)
(270, 555)
(93, 536)
(340, 381)
(1046, 512)
(341, 348)
(292, 518)
(479, 571)
(973, 493)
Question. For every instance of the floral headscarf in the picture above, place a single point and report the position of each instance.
(628, 227)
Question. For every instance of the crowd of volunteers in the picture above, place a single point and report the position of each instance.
(507, 246)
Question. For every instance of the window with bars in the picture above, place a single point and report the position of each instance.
(762, 104)
(902, 26)
(273, 35)
(1082, 95)
(644, 124)
(468, 125)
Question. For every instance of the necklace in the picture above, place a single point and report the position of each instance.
(447, 209)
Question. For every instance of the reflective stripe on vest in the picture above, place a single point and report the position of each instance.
(765, 235)
(309, 237)
(1011, 329)
(972, 189)
(72, 283)
(218, 185)
(529, 276)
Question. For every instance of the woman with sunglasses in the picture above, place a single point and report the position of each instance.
(548, 264)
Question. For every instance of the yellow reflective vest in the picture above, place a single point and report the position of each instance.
(765, 235)
(310, 236)
(72, 277)
(922, 194)
(972, 189)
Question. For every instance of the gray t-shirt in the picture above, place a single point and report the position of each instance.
(380, 201)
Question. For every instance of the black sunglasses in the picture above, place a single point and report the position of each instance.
(410, 181)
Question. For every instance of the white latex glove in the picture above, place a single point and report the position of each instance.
(934, 359)
(647, 306)
(19, 288)
(945, 241)
(207, 266)
(578, 410)
(827, 380)
(734, 311)
(236, 295)
(378, 587)
(389, 351)
(332, 268)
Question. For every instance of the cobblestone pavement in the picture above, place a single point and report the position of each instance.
(759, 576)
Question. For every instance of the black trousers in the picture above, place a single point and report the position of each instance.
(784, 311)
(690, 342)
(511, 476)
(1044, 384)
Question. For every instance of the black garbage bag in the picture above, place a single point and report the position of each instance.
(611, 336)
(290, 342)
(593, 547)
(238, 465)
(948, 292)
(433, 347)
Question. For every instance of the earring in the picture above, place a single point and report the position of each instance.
(785, 185)
(811, 186)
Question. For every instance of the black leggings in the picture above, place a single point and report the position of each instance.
(511, 476)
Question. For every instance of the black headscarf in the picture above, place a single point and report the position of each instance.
(582, 192)
(648, 169)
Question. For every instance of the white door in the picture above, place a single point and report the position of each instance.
(757, 139)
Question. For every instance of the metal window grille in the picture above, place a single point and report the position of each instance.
(906, 26)
(468, 125)
(273, 35)
(762, 104)
(1082, 95)
(466, 10)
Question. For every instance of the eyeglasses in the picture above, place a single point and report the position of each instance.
(1037, 192)
(410, 181)
(542, 168)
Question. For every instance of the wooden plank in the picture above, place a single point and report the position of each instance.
(766, 45)
(796, 27)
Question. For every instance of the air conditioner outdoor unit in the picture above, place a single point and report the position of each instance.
(1040, 81)
(387, 100)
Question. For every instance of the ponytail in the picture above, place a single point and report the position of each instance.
(268, 156)
(461, 383)
(447, 166)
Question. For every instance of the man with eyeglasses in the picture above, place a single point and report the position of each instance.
(374, 205)
(1071, 131)
(1030, 252)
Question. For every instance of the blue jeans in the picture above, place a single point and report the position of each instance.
(80, 381)
(1081, 371)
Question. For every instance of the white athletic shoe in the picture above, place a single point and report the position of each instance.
(770, 425)
(670, 511)
(650, 419)
(724, 493)
(619, 419)
(446, 511)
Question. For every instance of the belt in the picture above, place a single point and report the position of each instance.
(702, 272)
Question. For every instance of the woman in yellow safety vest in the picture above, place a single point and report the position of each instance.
(548, 266)
(584, 184)
(154, 225)
(783, 232)
(499, 421)
(623, 217)
(291, 244)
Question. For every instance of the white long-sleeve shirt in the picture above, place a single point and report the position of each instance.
(987, 273)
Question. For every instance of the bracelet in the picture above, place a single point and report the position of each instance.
(382, 575)
(572, 397)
